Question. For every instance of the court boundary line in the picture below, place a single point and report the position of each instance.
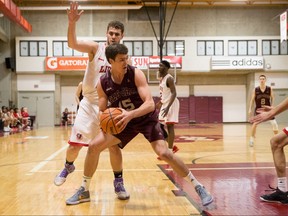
(45, 161)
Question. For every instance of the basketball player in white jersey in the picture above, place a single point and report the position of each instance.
(86, 125)
(78, 94)
(169, 103)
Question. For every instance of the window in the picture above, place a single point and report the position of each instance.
(274, 47)
(61, 48)
(242, 47)
(210, 48)
(252, 48)
(173, 48)
(33, 48)
(283, 48)
(139, 48)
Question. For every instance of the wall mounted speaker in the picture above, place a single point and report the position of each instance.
(10, 63)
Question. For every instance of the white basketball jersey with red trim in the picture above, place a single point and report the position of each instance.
(97, 67)
(165, 92)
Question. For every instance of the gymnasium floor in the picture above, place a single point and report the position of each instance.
(218, 155)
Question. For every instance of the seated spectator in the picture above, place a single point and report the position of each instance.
(25, 118)
(18, 116)
(6, 119)
(1, 121)
(65, 117)
(13, 123)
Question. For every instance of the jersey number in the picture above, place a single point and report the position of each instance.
(262, 101)
(126, 104)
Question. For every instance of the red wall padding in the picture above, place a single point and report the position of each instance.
(201, 109)
(215, 110)
(184, 110)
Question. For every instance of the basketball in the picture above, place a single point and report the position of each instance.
(108, 122)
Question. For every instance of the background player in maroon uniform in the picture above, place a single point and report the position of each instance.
(262, 96)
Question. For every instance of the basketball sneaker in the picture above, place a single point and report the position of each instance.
(277, 196)
(79, 197)
(61, 177)
(120, 189)
(206, 198)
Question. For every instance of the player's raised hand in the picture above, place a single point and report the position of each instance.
(264, 109)
(264, 114)
(73, 13)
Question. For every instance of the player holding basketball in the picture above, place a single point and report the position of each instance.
(126, 87)
(263, 96)
(169, 103)
(86, 125)
(278, 142)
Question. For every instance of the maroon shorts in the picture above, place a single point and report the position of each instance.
(147, 125)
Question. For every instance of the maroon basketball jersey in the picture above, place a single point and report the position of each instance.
(124, 95)
(262, 98)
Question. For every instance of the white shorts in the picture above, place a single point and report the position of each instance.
(86, 125)
(173, 115)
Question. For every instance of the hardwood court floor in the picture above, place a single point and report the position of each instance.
(30, 160)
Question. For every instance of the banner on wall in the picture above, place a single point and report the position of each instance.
(140, 62)
(65, 63)
(80, 63)
(283, 26)
(237, 62)
(175, 61)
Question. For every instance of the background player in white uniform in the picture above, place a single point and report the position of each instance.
(86, 125)
(169, 103)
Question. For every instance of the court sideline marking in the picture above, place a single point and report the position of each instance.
(45, 161)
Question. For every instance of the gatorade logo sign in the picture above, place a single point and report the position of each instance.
(65, 63)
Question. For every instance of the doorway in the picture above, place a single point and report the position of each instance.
(40, 105)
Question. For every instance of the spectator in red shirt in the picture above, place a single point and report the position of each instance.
(18, 116)
(25, 118)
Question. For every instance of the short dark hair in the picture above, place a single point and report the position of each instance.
(262, 75)
(114, 49)
(166, 63)
(117, 25)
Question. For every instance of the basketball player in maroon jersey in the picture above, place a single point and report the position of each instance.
(86, 125)
(262, 96)
(125, 86)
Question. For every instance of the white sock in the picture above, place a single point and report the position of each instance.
(252, 138)
(191, 178)
(282, 184)
(86, 182)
